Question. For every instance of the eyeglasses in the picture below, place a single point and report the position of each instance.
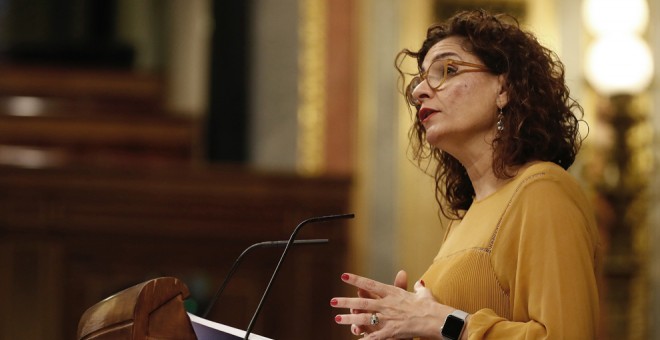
(437, 73)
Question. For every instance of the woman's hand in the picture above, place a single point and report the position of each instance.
(398, 313)
(401, 281)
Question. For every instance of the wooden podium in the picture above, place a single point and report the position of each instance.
(150, 310)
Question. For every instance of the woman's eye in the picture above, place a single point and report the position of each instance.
(451, 70)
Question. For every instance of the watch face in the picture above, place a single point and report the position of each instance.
(453, 327)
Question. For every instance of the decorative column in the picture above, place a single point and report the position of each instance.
(620, 68)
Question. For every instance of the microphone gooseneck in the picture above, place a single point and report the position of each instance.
(284, 253)
(266, 244)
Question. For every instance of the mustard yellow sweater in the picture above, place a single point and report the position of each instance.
(523, 261)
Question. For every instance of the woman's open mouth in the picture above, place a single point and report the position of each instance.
(425, 113)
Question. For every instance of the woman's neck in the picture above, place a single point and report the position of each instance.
(483, 178)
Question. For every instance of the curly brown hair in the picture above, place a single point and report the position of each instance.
(539, 120)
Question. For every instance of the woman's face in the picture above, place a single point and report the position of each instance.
(461, 114)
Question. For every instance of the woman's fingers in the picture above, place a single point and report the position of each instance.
(372, 296)
(361, 329)
(422, 291)
(357, 330)
(372, 286)
(401, 280)
(356, 305)
(367, 294)
(360, 320)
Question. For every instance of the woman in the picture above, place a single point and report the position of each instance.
(520, 255)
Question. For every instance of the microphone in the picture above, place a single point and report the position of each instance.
(284, 253)
(266, 244)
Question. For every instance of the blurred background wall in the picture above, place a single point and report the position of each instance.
(161, 137)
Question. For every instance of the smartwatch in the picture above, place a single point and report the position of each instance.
(454, 325)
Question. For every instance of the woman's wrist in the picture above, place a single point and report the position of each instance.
(435, 320)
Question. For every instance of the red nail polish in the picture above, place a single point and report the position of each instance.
(344, 277)
(338, 318)
(333, 302)
(422, 282)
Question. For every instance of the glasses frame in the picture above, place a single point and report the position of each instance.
(423, 76)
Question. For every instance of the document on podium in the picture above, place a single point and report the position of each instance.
(209, 330)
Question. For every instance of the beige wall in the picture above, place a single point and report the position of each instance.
(187, 56)
(171, 36)
(419, 229)
(377, 135)
(274, 85)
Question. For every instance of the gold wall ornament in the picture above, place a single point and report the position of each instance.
(312, 66)
(627, 161)
(619, 172)
(446, 8)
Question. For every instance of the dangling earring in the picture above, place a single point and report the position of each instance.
(500, 123)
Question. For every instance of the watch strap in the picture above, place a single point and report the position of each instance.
(460, 314)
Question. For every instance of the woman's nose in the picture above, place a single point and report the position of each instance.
(421, 91)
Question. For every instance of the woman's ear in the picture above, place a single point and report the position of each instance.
(503, 94)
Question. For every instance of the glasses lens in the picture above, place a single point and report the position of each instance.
(436, 74)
